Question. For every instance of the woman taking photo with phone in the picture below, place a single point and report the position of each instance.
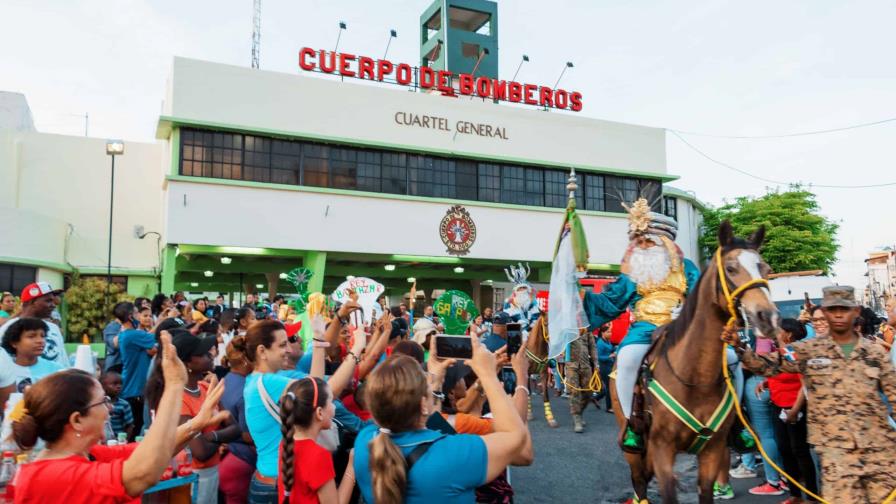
(69, 411)
(402, 461)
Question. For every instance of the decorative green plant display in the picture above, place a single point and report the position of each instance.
(88, 311)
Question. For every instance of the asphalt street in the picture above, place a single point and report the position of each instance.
(589, 468)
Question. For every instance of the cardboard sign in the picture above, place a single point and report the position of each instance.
(455, 310)
(368, 291)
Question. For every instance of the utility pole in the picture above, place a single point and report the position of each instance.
(256, 33)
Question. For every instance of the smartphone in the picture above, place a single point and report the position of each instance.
(454, 347)
(514, 338)
(508, 378)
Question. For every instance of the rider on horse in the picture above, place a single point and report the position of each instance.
(522, 307)
(654, 280)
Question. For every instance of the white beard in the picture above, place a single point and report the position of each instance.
(649, 266)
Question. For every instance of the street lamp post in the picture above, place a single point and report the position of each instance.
(113, 148)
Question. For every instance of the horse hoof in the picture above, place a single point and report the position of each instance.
(553, 424)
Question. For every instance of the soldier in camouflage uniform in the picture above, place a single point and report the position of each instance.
(843, 373)
(579, 369)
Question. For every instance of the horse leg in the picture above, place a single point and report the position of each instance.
(663, 456)
(529, 415)
(709, 464)
(548, 414)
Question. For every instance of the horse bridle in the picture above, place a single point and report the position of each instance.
(732, 298)
(539, 362)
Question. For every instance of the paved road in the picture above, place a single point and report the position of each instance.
(589, 468)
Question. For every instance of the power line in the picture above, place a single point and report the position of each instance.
(786, 135)
(771, 181)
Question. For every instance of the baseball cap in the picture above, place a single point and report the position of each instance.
(292, 329)
(36, 290)
(422, 328)
(838, 295)
(188, 345)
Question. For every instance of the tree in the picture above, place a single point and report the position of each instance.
(87, 311)
(797, 238)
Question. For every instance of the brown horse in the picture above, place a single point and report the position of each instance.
(539, 364)
(688, 364)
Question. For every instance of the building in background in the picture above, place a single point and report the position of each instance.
(881, 273)
(256, 172)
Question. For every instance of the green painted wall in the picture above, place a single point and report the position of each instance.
(143, 286)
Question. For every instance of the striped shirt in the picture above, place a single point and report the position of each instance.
(122, 416)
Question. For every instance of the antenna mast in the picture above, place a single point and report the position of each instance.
(256, 33)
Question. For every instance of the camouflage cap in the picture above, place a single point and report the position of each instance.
(839, 295)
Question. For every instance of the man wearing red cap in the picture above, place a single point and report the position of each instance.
(39, 301)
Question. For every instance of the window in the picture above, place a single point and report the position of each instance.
(534, 195)
(315, 165)
(395, 173)
(14, 278)
(670, 207)
(431, 176)
(286, 161)
(369, 171)
(554, 189)
(489, 182)
(619, 190)
(344, 168)
(255, 158)
(652, 192)
(595, 195)
(465, 180)
(257, 165)
(513, 185)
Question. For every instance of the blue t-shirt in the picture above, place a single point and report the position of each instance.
(264, 428)
(133, 344)
(113, 356)
(232, 400)
(449, 471)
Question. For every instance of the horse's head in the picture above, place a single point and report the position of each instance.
(741, 273)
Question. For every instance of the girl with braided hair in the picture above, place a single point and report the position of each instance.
(307, 475)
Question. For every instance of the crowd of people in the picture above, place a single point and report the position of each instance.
(266, 404)
(258, 413)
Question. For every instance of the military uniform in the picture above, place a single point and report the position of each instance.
(579, 369)
(847, 419)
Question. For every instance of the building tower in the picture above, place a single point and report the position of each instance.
(460, 36)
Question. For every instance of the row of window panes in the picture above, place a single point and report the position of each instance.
(260, 159)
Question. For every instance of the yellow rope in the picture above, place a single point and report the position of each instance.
(594, 384)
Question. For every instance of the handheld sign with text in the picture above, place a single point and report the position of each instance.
(367, 290)
(455, 310)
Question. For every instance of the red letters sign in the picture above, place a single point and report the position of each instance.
(362, 67)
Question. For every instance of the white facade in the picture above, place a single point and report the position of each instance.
(310, 107)
(54, 204)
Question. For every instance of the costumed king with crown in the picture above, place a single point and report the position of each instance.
(654, 280)
(522, 307)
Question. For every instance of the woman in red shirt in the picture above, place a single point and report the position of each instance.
(69, 410)
(307, 475)
(786, 391)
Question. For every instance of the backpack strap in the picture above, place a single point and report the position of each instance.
(418, 452)
(269, 404)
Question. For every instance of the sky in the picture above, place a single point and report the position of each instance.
(717, 67)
